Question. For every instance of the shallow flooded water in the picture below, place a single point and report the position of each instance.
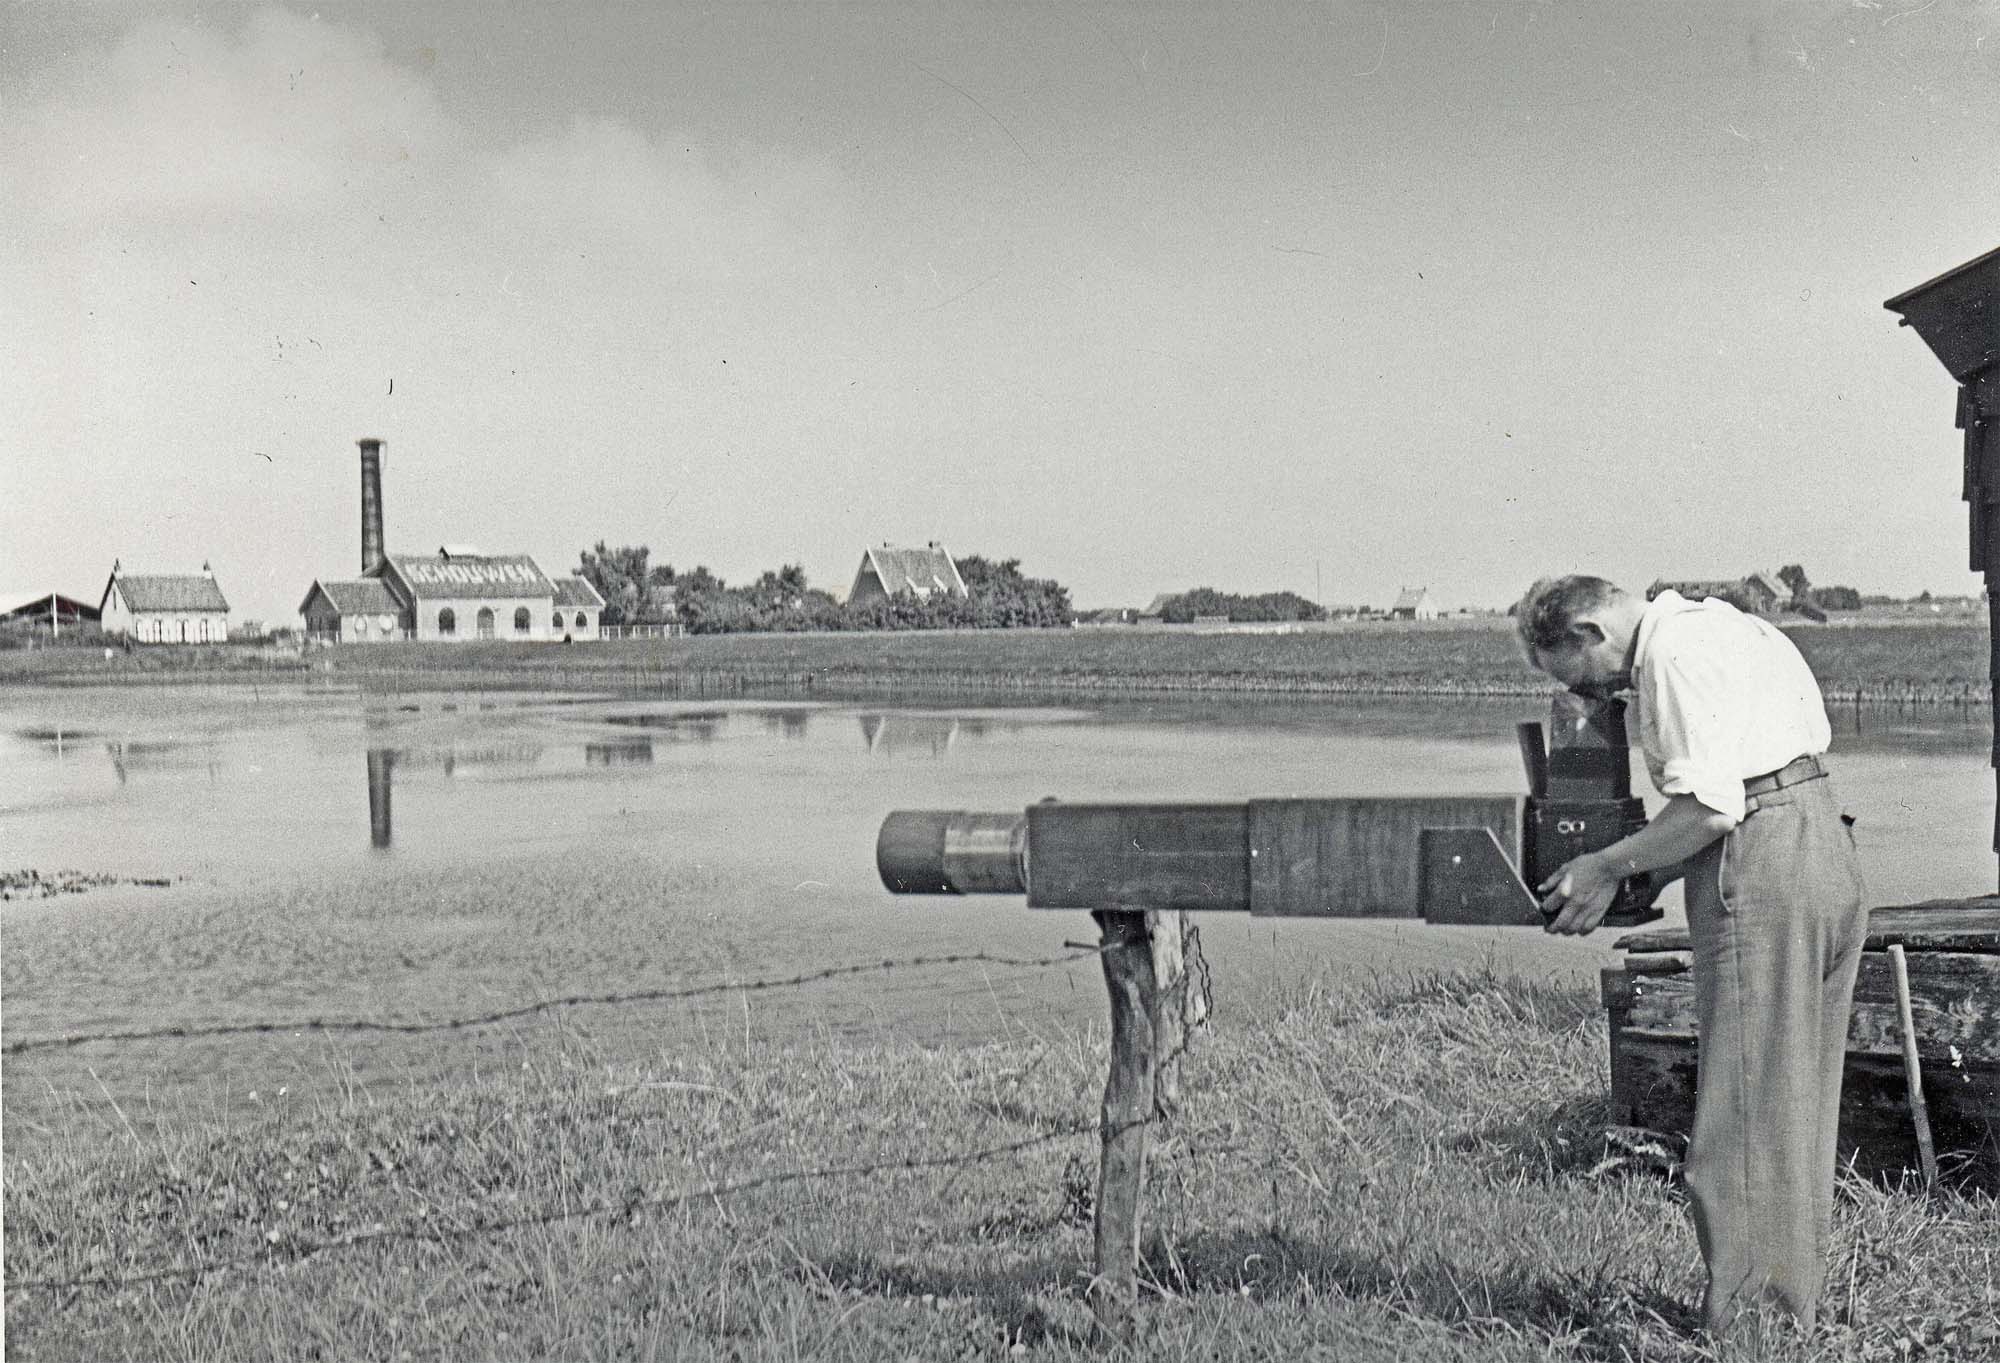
(423, 857)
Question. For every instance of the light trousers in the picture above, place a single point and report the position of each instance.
(1776, 917)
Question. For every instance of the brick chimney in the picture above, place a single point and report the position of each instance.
(371, 505)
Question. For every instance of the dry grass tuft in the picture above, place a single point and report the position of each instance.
(1417, 1174)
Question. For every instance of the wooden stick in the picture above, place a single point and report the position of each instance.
(1127, 954)
(1913, 1073)
(1165, 929)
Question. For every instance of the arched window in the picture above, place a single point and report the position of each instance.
(447, 621)
(581, 623)
(521, 620)
(486, 622)
(556, 623)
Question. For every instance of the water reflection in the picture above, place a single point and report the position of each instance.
(895, 735)
(129, 756)
(383, 762)
(381, 777)
(703, 726)
(628, 752)
(450, 759)
(787, 724)
(1938, 728)
(56, 740)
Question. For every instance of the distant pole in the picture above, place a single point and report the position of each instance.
(55, 619)
(1319, 598)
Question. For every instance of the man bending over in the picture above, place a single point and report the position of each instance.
(1734, 732)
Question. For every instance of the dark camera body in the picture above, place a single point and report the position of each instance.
(1580, 798)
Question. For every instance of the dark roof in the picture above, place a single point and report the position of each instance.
(361, 596)
(167, 592)
(1159, 603)
(576, 591)
(37, 608)
(448, 577)
(1410, 598)
(1694, 589)
(922, 571)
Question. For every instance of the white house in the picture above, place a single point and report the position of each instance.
(1414, 603)
(159, 608)
(920, 572)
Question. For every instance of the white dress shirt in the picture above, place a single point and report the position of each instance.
(1722, 696)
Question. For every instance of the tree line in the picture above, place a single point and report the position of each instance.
(638, 592)
(1206, 603)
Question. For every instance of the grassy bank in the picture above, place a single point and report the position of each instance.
(1419, 1174)
(1943, 662)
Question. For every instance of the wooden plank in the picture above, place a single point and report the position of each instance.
(1128, 1109)
(1167, 933)
(1653, 1087)
(1358, 858)
(1139, 856)
(1936, 925)
(1464, 879)
(1955, 1003)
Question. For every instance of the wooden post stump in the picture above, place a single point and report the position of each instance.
(1151, 962)
(1127, 954)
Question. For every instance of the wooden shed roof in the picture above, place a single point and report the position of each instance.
(358, 596)
(166, 592)
(574, 592)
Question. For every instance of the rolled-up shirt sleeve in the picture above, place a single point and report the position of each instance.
(1690, 715)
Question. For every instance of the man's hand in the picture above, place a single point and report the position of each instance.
(1576, 898)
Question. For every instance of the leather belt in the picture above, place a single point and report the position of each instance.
(1799, 769)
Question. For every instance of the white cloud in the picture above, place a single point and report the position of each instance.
(213, 243)
(602, 184)
(292, 119)
(179, 122)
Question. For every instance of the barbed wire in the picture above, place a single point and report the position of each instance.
(185, 1032)
(284, 1251)
(295, 1251)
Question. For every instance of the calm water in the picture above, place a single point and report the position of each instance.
(410, 857)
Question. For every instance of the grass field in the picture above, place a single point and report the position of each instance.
(1416, 1174)
(1944, 661)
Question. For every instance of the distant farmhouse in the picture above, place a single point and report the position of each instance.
(886, 571)
(1760, 593)
(1414, 603)
(456, 593)
(156, 608)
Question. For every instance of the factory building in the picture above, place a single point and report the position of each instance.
(355, 611)
(164, 608)
(456, 593)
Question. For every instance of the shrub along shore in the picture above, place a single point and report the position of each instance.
(1924, 664)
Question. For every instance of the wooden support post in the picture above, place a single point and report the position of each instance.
(1163, 931)
(1129, 1100)
(1180, 1000)
(1913, 1071)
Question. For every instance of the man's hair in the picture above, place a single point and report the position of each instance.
(1545, 619)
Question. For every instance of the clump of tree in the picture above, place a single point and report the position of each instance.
(1207, 603)
(999, 596)
(1002, 597)
(634, 593)
(1802, 601)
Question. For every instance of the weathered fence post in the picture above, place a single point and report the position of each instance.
(1180, 1000)
(1127, 953)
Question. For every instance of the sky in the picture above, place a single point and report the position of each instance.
(1330, 297)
